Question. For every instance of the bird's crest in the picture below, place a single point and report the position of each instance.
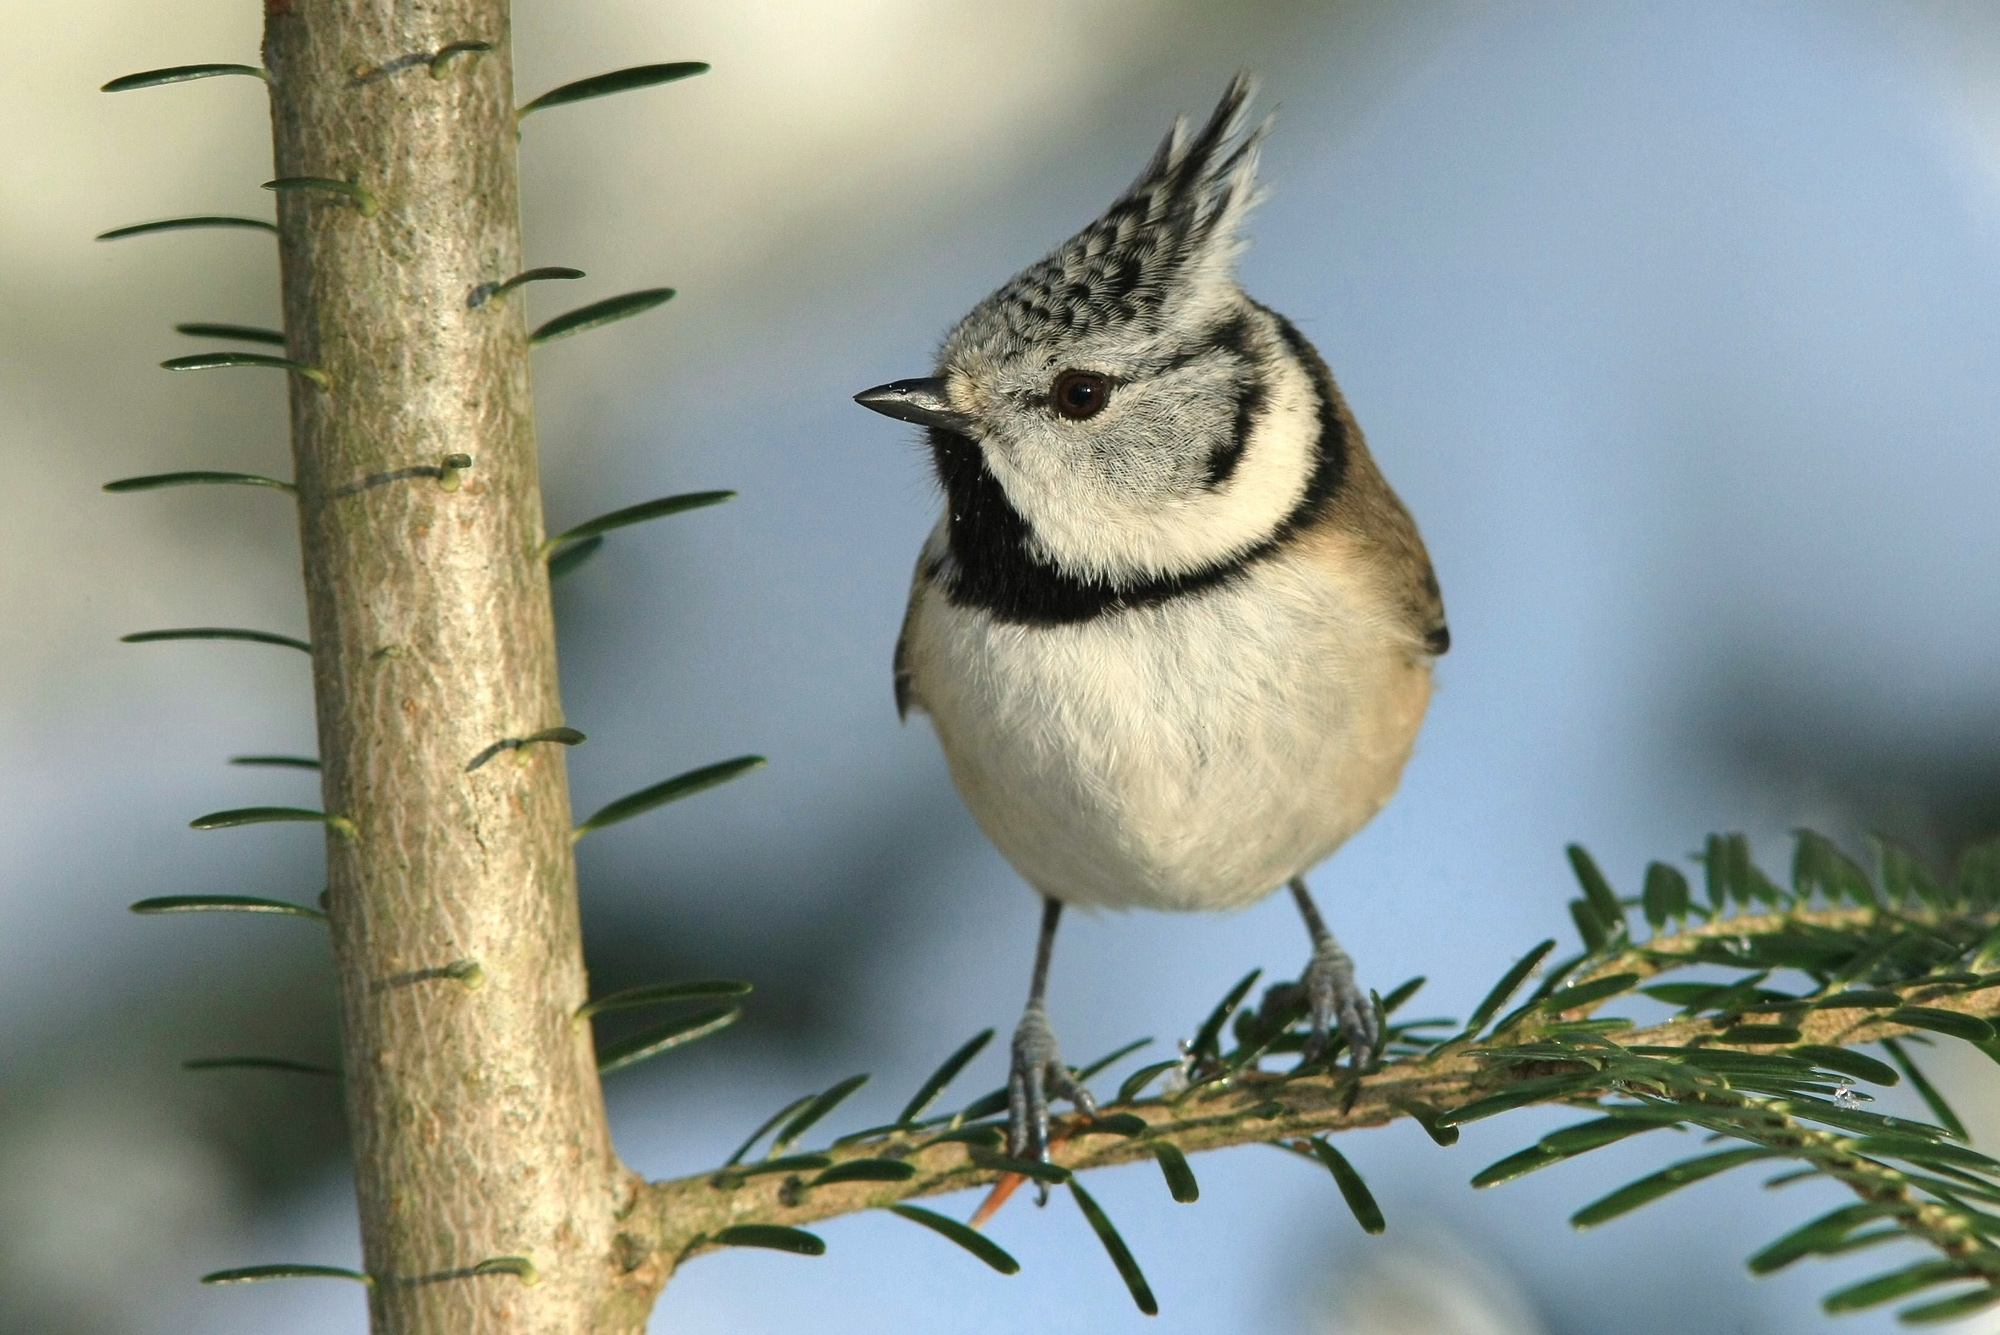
(1171, 238)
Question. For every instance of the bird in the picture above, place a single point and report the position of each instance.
(1173, 629)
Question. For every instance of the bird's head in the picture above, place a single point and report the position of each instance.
(1120, 411)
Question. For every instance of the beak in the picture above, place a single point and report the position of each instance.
(919, 401)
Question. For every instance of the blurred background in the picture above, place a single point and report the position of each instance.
(1674, 323)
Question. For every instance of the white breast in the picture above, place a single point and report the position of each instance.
(1194, 754)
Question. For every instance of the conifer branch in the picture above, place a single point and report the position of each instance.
(1768, 1071)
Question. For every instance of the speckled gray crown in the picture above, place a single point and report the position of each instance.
(1128, 265)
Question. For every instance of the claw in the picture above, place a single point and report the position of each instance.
(1333, 996)
(1038, 1073)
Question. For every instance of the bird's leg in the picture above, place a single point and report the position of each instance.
(1332, 995)
(1038, 1071)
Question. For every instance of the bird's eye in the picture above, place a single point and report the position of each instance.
(1079, 394)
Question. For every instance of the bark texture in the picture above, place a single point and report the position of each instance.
(478, 1126)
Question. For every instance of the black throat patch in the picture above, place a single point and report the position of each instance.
(994, 568)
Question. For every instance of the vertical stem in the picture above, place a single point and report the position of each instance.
(477, 1123)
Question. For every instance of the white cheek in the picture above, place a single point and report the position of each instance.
(1141, 523)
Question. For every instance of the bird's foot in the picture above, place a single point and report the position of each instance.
(1037, 1075)
(1283, 1006)
(1333, 997)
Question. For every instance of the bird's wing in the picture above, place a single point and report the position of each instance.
(933, 561)
(1366, 507)
(901, 664)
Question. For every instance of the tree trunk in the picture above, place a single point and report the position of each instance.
(477, 1122)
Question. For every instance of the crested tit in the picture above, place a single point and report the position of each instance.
(1173, 629)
